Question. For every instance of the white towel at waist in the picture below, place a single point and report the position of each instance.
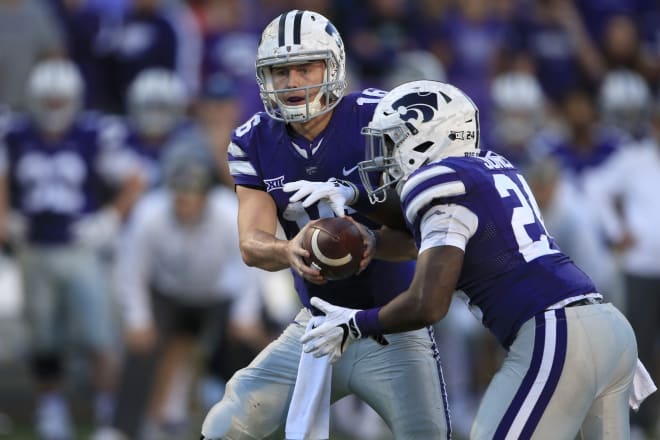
(643, 386)
(309, 411)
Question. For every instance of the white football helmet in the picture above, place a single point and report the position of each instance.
(625, 100)
(157, 100)
(414, 124)
(54, 94)
(298, 37)
(519, 107)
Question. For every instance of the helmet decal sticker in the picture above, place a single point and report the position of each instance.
(417, 105)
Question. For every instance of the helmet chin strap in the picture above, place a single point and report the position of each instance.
(309, 109)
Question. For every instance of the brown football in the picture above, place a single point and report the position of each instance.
(335, 246)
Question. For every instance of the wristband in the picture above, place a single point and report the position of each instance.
(368, 323)
(352, 186)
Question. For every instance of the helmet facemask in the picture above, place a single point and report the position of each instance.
(380, 149)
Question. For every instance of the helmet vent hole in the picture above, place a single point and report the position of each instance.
(421, 148)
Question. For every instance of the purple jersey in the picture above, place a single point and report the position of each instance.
(512, 268)
(53, 184)
(265, 155)
(571, 158)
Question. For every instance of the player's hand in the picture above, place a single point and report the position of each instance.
(97, 229)
(337, 332)
(369, 239)
(338, 193)
(295, 254)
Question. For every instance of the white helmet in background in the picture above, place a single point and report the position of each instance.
(519, 107)
(298, 37)
(157, 101)
(414, 124)
(54, 94)
(414, 65)
(625, 100)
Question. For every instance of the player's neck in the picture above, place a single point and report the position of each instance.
(312, 128)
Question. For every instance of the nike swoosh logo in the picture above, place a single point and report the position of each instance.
(349, 171)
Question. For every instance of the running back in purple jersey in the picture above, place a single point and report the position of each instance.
(53, 184)
(512, 268)
(265, 155)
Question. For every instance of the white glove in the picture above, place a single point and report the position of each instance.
(338, 193)
(97, 229)
(337, 332)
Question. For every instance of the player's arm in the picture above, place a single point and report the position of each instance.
(425, 302)
(394, 245)
(257, 224)
(445, 231)
(387, 213)
(427, 299)
(260, 247)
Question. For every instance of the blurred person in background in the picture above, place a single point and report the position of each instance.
(623, 46)
(231, 30)
(468, 38)
(625, 103)
(181, 285)
(29, 32)
(551, 36)
(65, 172)
(376, 33)
(217, 110)
(84, 27)
(151, 34)
(583, 142)
(519, 113)
(625, 192)
(157, 105)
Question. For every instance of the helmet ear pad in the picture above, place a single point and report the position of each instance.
(299, 37)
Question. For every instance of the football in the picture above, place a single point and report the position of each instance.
(335, 246)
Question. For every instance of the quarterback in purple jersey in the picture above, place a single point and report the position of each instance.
(310, 133)
(570, 357)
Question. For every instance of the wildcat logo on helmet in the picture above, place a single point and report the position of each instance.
(334, 33)
(420, 106)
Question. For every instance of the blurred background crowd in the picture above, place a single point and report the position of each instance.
(124, 303)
